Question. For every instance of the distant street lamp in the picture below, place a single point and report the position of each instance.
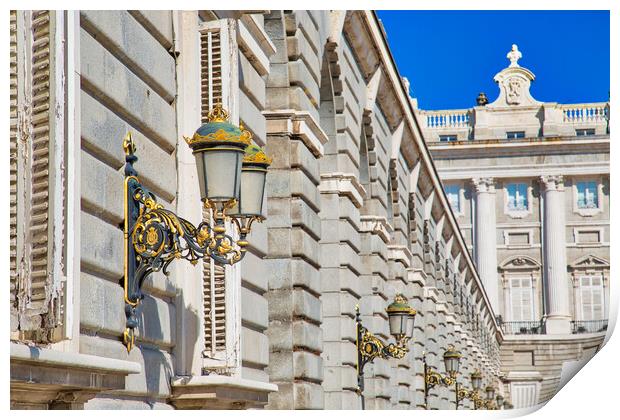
(401, 319)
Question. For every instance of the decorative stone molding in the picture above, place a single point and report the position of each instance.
(400, 253)
(521, 262)
(35, 374)
(376, 225)
(299, 124)
(219, 392)
(343, 184)
(552, 182)
(514, 83)
(484, 185)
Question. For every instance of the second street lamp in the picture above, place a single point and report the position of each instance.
(401, 318)
(451, 359)
(471, 394)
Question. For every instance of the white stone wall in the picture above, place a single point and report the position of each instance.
(127, 84)
(355, 214)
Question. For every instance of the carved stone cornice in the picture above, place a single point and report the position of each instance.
(552, 182)
(483, 185)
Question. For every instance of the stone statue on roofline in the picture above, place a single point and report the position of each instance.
(514, 55)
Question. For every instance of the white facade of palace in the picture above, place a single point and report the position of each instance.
(356, 213)
(528, 182)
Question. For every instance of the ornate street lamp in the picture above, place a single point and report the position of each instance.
(489, 402)
(471, 394)
(499, 399)
(401, 318)
(451, 359)
(476, 380)
(231, 178)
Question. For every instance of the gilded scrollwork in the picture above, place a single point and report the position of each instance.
(155, 236)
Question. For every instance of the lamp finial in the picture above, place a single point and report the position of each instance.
(217, 114)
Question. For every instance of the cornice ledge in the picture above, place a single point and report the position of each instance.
(377, 225)
(299, 124)
(343, 184)
(400, 253)
(32, 355)
(219, 392)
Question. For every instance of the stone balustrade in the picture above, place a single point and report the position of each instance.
(457, 118)
(488, 122)
(583, 113)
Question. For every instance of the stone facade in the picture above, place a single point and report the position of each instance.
(529, 184)
(356, 213)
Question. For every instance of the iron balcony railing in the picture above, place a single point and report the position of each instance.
(523, 327)
(585, 327)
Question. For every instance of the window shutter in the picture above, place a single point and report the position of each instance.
(13, 171)
(521, 299)
(214, 308)
(218, 79)
(591, 288)
(36, 212)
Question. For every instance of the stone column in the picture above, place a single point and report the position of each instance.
(485, 237)
(557, 305)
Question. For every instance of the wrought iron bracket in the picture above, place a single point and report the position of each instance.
(369, 347)
(433, 379)
(468, 394)
(154, 237)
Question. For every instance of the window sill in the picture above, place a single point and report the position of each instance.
(588, 211)
(219, 392)
(43, 377)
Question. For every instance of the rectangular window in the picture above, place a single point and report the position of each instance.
(515, 134)
(517, 196)
(447, 137)
(591, 293)
(521, 299)
(587, 195)
(453, 192)
(584, 132)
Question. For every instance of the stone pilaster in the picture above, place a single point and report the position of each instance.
(485, 237)
(557, 304)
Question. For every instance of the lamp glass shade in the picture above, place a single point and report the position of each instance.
(219, 172)
(399, 313)
(410, 323)
(476, 380)
(500, 400)
(452, 361)
(490, 392)
(398, 324)
(250, 201)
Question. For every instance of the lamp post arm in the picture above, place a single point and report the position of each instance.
(369, 347)
(154, 237)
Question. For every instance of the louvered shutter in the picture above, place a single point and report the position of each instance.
(218, 79)
(36, 178)
(13, 171)
(591, 289)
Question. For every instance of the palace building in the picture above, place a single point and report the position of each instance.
(528, 182)
(492, 222)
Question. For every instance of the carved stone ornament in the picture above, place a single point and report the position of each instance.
(484, 184)
(552, 182)
(514, 55)
(514, 83)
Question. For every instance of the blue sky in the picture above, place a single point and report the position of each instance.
(450, 56)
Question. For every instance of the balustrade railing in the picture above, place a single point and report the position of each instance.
(458, 118)
(523, 327)
(585, 327)
(584, 113)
